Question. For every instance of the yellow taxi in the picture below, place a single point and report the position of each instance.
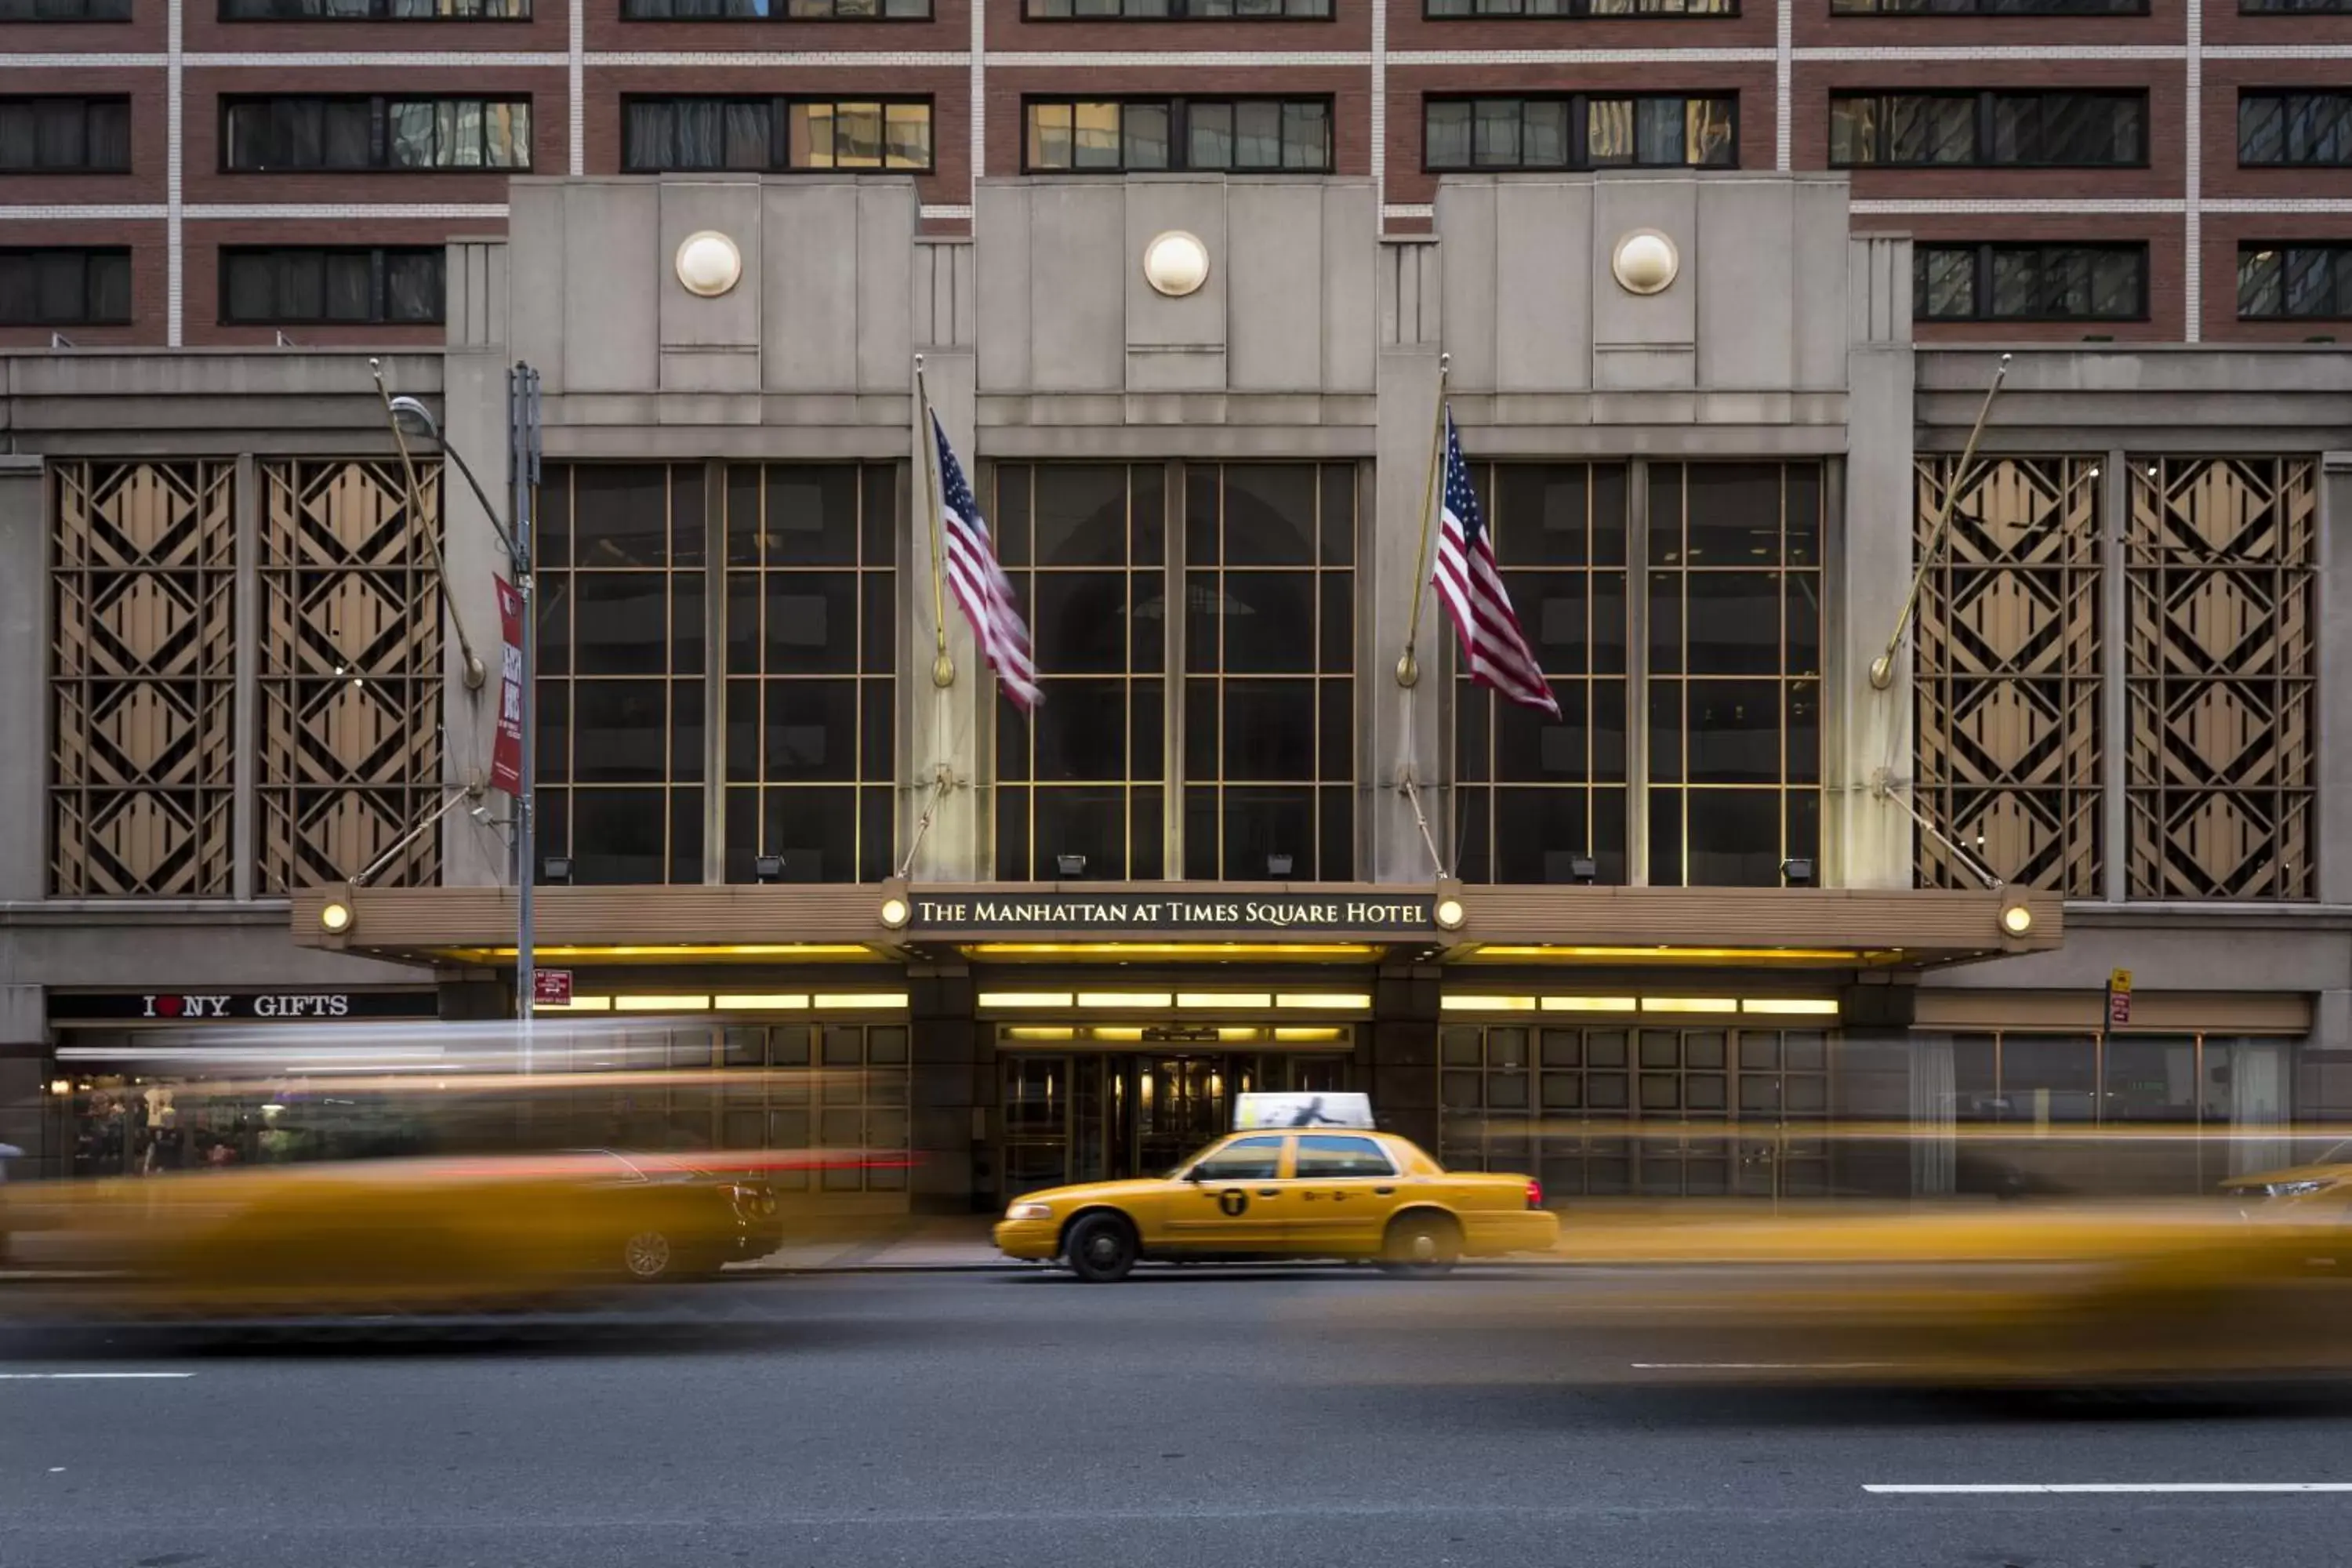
(1349, 1192)
(2330, 1171)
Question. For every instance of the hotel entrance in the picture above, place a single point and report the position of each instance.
(1085, 1105)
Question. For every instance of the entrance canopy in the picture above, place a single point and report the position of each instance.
(1182, 924)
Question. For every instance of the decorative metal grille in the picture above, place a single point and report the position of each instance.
(2007, 675)
(2222, 672)
(143, 679)
(350, 672)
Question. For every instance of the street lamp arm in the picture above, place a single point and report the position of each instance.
(422, 415)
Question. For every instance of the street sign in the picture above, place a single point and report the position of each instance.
(2119, 998)
(551, 987)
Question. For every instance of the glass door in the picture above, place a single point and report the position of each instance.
(1037, 1107)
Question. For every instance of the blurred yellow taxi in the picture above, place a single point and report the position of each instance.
(2329, 1171)
(1356, 1194)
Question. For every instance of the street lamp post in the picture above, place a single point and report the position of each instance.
(522, 469)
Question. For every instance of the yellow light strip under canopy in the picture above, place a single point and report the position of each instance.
(662, 1003)
(1325, 1001)
(1101, 1000)
(1024, 999)
(1670, 955)
(1589, 1004)
(577, 1005)
(1787, 1007)
(1487, 1003)
(847, 1000)
(818, 950)
(1247, 999)
(1690, 1005)
(1818, 1007)
(771, 1002)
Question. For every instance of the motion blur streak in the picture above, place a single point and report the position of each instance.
(2127, 1296)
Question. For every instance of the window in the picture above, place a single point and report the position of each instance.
(342, 284)
(2294, 282)
(64, 286)
(1248, 1160)
(2293, 7)
(811, 632)
(1735, 667)
(2030, 282)
(1108, 135)
(1579, 131)
(274, 135)
(774, 134)
(1178, 10)
(1994, 130)
(375, 10)
(1269, 671)
(1085, 773)
(65, 10)
(65, 135)
(774, 10)
(858, 1099)
(1533, 797)
(1329, 1157)
(1744, 1108)
(620, 559)
(2295, 127)
(1989, 7)
(1442, 9)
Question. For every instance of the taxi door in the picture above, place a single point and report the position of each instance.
(1344, 1190)
(1232, 1200)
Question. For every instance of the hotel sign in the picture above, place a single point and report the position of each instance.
(1151, 913)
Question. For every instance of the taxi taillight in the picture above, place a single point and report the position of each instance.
(1535, 1194)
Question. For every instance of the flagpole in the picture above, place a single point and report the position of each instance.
(1408, 669)
(943, 663)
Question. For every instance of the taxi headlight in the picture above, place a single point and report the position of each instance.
(2295, 1189)
(1030, 1211)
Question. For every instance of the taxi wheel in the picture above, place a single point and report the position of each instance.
(1100, 1249)
(1422, 1247)
(648, 1255)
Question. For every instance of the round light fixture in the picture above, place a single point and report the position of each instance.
(894, 912)
(2017, 919)
(336, 918)
(1450, 914)
(709, 264)
(1176, 263)
(1645, 262)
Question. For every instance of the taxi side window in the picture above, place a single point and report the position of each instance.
(1327, 1156)
(1250, 1159)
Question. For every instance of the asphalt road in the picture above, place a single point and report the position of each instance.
(1186, 1420)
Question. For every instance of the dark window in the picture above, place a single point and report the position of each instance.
(1248, 1160)
(2295, 127)
(64, 286)
(2294, 6)
(774, 10)
(65, 135)
(1085, 773)
(1110, 135)
(1535, 796)
(1579, 131)
(1177, 10)
(774, 134)
(1993, 130)
(1269, 638)
(1989, 7)
(2287, 282)
(2030, 282)
(1325, 1156)
(1612, 9)
(65, 10)
(274, 135)
(353, 284)
(809, 630)
(375, 10)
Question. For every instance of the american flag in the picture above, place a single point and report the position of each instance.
(1493, 648)
(980, 583)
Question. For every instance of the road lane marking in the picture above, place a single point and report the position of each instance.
(1983, 1488)
(82, 1377)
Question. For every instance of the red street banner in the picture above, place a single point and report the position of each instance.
(551, 987)
(506, 756)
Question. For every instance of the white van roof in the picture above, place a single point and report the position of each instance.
(1253, 1113)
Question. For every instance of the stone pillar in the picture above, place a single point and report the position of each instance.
(1866, 840)
(1399, 1062)
(952, 1094)
(30, 1119)
(946, 728)
(24, 679)
(1405, 728)
(2333, 832)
